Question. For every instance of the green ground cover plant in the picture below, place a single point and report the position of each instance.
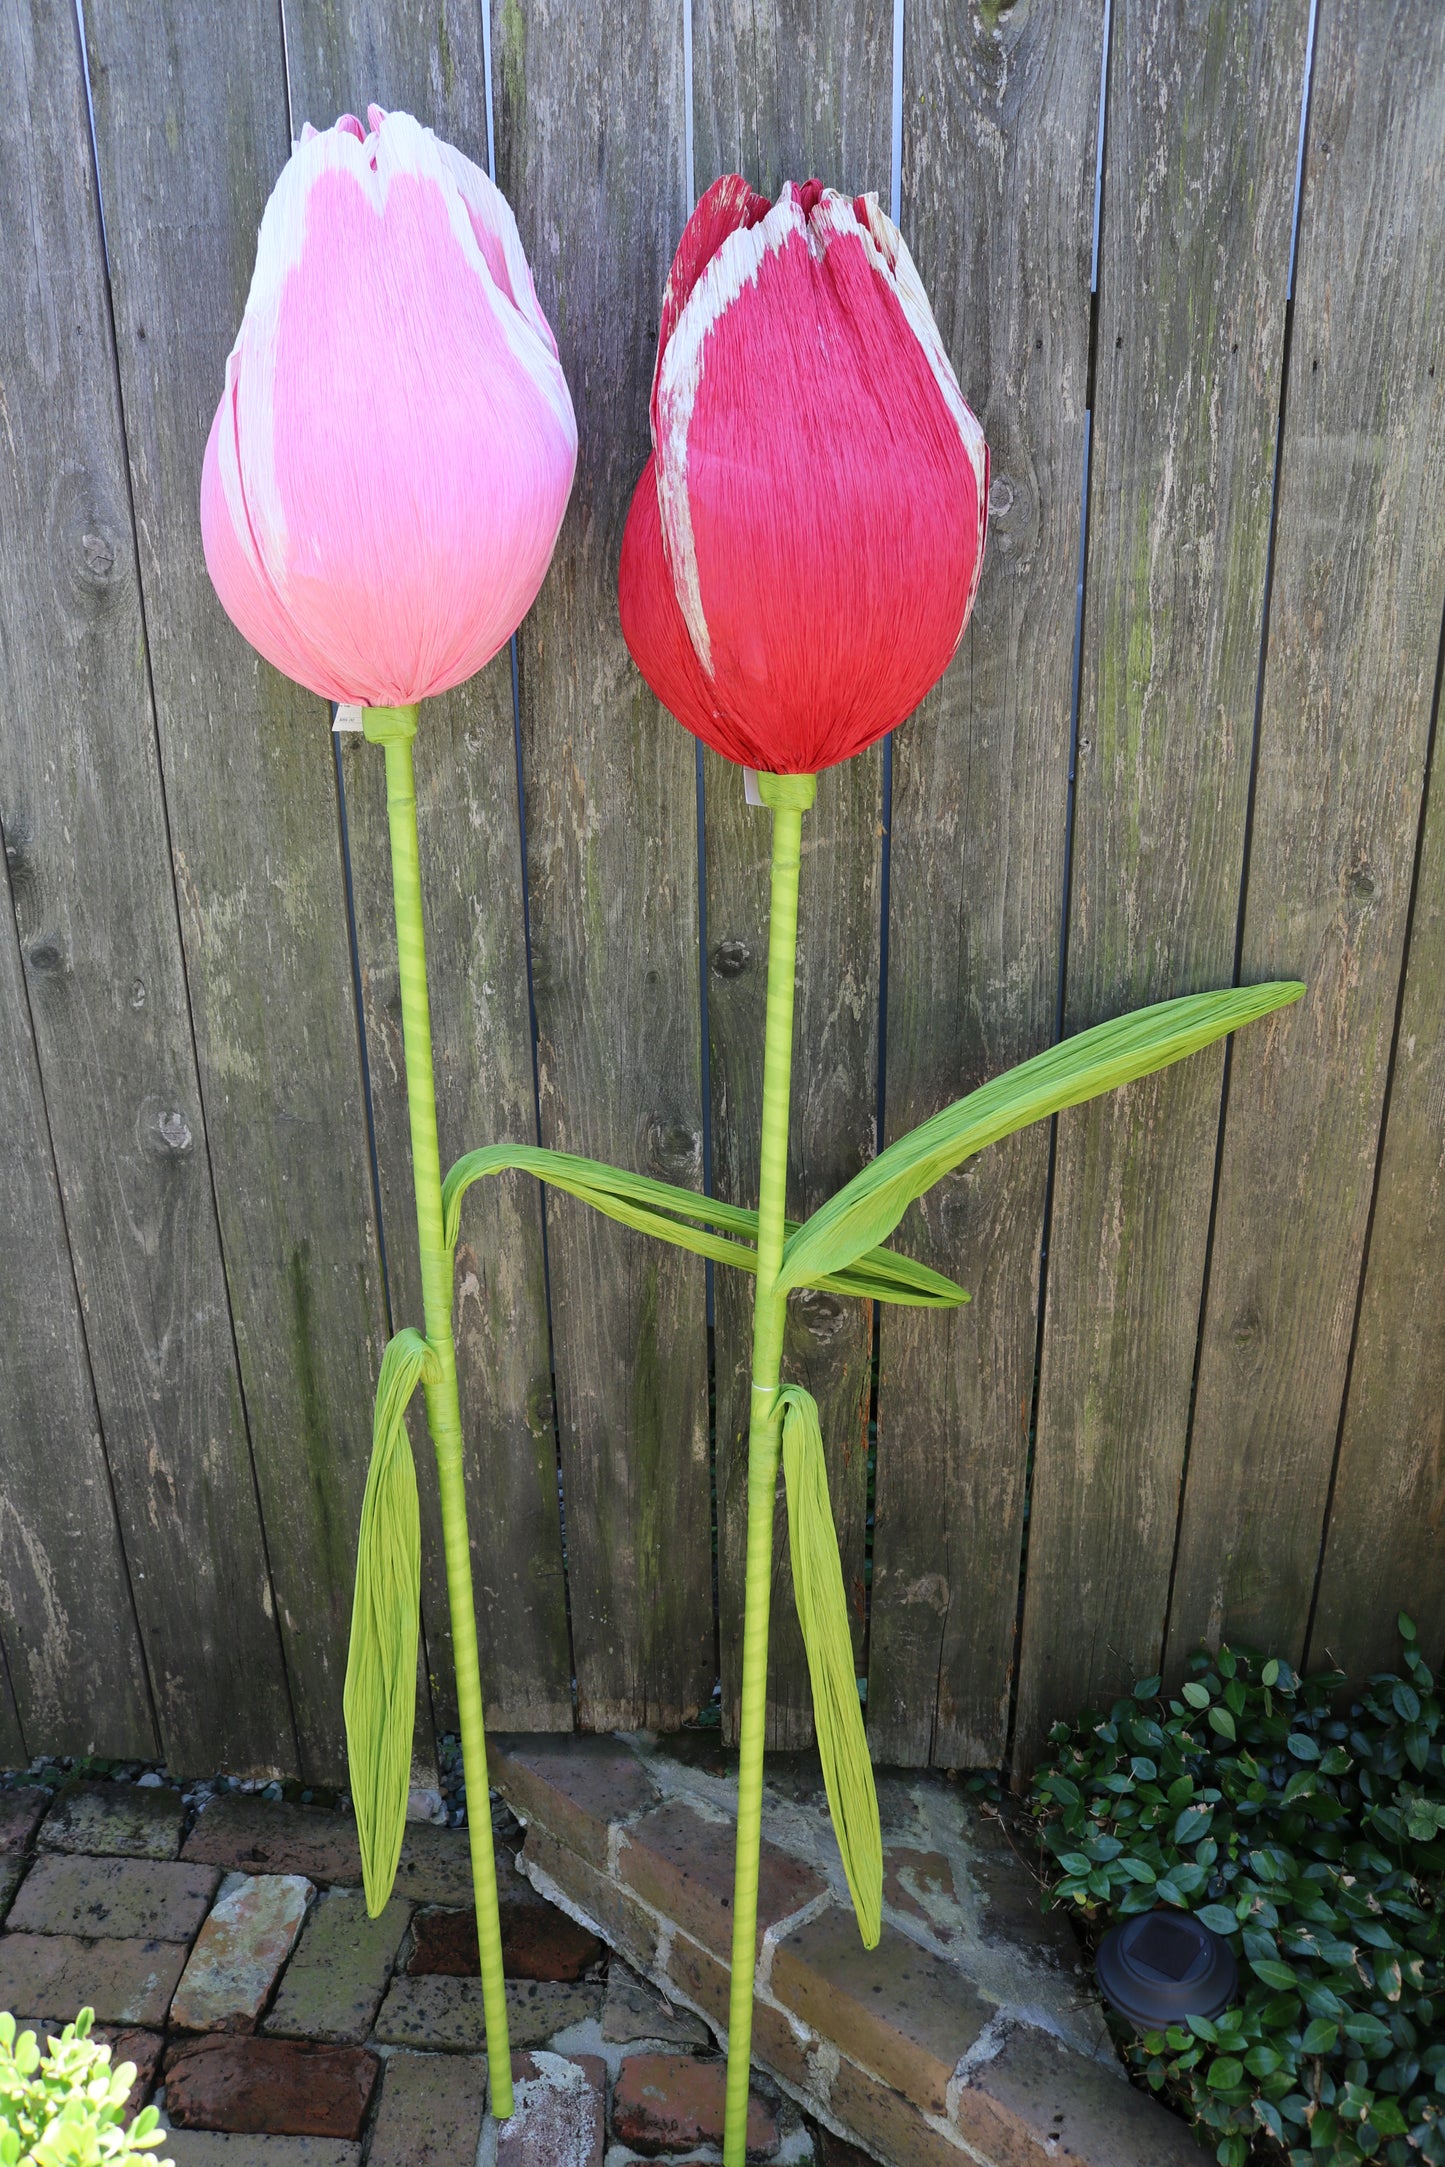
(62, 2105)
(1307, 1829)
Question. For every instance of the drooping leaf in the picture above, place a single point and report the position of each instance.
(379, 1701)
(869, 1207)
(700, 1224)
(823, 1616)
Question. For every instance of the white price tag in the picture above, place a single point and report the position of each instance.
(750, 786)
(348, 717)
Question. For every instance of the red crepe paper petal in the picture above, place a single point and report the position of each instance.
(804, 546)
(728, 207)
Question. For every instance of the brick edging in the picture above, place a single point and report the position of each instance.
(899, 2052)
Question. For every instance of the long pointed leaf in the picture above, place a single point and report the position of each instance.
(823, 1616)
(866, 1211)
(688, 1221)
(379, 1700)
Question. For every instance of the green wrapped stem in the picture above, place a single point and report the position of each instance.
(788, 797)
(394, 728)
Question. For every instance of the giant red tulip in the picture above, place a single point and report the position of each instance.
(393, 452)
(804, 546)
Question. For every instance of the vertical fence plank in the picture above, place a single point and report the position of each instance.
(191, 125)
(1389, 1492)
(590, 152)
(12, 1741)
(1201, 146)
(433, 66)
(999, 158)
(82, 807)
(783, 89)
(63, 1587)
(1354, 637)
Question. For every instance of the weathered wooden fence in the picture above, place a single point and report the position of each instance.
(1189, 256)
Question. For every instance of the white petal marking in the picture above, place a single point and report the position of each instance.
(888, 253)
(736, 265)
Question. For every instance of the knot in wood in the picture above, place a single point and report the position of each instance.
(731, 958)
(46, 955)
(821, 1315)
(174, 1131)
(674, 1148)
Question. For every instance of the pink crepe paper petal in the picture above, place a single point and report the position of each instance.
(393, 453)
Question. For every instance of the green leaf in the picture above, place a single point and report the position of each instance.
(1222, 1721)
(1320, 2036)
(1270, 1674)
(867, 1209)
(1272, 1972)
(1218, 1918)
(1269, 2117)
(1224, 2073)
(828, 1643)
(1302, 1746)
(700, 1224)
(1197, 1695)
(379, 1699)
(1368, 2032)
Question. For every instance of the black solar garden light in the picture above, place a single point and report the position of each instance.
(1162, 1967)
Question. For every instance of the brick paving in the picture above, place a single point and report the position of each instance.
(237, 1959)
(116, 1820)
(674, 2103)
(228, 1955)
(431, 2110)
(334, 1983)
(559, 2119)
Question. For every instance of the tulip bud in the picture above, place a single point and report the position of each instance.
(393, 452)
(804, 546)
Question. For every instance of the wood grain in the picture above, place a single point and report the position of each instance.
(1353, 643)
(431, 64)
(13, 1751)
(63, 1586)
(191, 125)
(783, 89)
(80, 797)
(1001, 120)
(1389, 1491)
(1202, 140)
(590, 152)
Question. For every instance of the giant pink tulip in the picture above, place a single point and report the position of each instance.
(394, 448)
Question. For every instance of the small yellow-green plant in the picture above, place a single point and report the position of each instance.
(63, 2105)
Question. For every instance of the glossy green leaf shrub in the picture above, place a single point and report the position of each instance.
(62, 2105)
(1309, 1832)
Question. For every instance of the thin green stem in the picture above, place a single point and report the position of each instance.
(394, 728)
(788, 797)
